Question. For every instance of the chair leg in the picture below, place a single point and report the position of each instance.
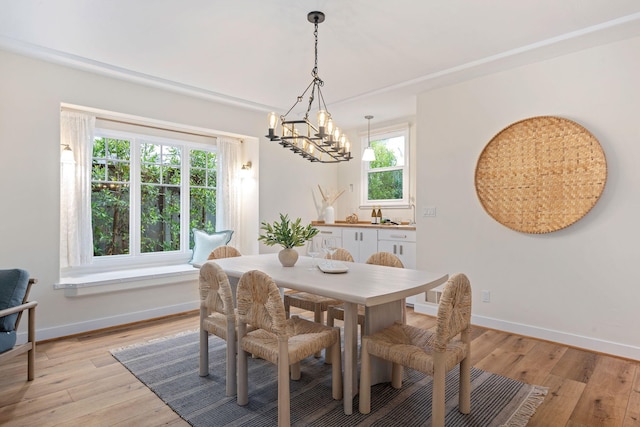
(317, 317)
(336, 369)
(231, 360)
(284, 397)
(437, 399)
(287, 306)
(243, 392)
(31, 335)
(204, 352)
(396, 375)
(242, 378)
(365, 379)
(327, 353)
(464, 391)
(295, 371)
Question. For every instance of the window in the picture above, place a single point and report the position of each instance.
(148, 193)
(386, 179)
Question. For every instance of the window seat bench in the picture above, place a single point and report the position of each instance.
(126, 279)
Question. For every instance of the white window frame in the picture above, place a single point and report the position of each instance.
(386, 133)
(136, 258)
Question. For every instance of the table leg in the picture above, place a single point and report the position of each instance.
(377, 318)
(350, 355)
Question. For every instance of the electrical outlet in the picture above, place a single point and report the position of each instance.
(429, 211)
(486, 296)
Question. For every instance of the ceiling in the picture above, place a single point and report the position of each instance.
(374, 56)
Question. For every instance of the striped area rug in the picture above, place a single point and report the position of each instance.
(169, 367)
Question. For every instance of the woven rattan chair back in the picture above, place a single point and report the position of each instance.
(454, 311)
(260, 303)
(341, 255)
(215, 290)
(385, 258)
(224, 252)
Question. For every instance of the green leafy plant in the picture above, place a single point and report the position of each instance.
(286, 233)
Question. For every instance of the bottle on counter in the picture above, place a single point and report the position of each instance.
(374, 216)
(379, 215)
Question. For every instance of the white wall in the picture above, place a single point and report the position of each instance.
(31, 94)
(579, 285)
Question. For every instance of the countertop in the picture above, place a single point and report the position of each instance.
(363, 224)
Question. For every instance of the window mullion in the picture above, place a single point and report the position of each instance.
(185, 198)
(135, 201)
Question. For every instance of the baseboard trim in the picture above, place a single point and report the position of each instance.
(592, 344)
(108, 322)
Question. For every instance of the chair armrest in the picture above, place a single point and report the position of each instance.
(18, 308)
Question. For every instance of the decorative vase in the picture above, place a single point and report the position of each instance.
(329, 215)
(288, 257)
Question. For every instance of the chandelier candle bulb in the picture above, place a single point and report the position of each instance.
(330, 128)
(273, 120)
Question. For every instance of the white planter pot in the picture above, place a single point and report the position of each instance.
(288, 257)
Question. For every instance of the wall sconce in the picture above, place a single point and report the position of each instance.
(245, 170)
(67, 155)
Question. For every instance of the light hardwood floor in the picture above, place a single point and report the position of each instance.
(79, 383)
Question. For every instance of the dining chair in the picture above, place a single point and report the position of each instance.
(15, 286)
(284, 342)
(315, 303)
(379, 258)
(431, 352)
(224, 252)
(218, 317)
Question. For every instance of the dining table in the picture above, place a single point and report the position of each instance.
(381, 290)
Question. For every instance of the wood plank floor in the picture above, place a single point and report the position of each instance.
(79, 383)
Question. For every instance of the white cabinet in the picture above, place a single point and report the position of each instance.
(401, 243)
(360, 242)
(329, 232)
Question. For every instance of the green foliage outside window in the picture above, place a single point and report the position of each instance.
(160, 192)
(110, 196)
(203, 181)
(160, 198)
(384, 184)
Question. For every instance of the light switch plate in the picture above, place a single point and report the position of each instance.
(429, 211)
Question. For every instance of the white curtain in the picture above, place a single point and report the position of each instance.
(76, 237)
(228, 203)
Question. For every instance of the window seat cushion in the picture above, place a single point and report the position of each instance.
(123, 279)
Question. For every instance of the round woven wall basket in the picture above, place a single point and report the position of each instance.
(540, 174)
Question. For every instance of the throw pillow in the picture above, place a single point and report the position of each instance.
(204, 243)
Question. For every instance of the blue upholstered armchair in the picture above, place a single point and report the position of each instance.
(14, 291)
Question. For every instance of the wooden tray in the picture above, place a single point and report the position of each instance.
(541, 174)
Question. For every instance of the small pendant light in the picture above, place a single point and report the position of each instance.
(368, 155)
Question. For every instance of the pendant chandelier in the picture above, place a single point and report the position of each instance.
(317, 142)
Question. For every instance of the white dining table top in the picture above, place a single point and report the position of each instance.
(364, 284)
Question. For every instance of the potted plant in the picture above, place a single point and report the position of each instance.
(287, 234)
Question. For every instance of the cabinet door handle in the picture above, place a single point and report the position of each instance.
(361, 236)
(326, 232)
(400, 249)
(398, 236)
(355, 235)
(394, 249)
